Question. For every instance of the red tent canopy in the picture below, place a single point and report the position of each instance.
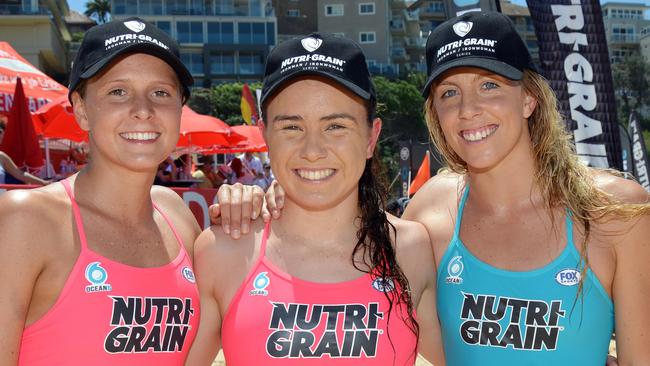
(40, 89)
(20, 141)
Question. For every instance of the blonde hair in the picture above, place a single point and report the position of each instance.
(562, 179)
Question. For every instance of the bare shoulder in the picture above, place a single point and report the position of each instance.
(625, 190)
(179, 213)
(438, 192)
(410, 236)
(218, 253)
(31, 218)
(412, 243)
(435, 205)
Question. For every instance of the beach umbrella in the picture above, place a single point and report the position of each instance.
(20, 141)
(200, 131)
(39, 88)
(253, 141)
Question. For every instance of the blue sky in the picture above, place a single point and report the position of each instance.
(80, 5)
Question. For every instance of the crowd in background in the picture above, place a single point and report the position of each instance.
(203, 171)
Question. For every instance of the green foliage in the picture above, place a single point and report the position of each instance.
(222, 101)
(77, 36)
(401, 110)
(632, 85)
(99, 10)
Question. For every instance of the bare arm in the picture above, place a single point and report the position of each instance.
(20, 265)
(208, 339)
(22, 176)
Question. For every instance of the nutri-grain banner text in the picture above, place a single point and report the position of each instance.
(574, 58)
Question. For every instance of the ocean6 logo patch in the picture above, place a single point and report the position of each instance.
(97, 276)
(260, 283)
(568, 277)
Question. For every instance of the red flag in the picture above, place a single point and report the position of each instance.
(423, 175)
(20, 140)
(248, 109)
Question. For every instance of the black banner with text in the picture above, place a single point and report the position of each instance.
(574, 58)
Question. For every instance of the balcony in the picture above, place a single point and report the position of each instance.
(416, 42)
(412, 16)
(387, 70)
(397, 26)
(435, 10)
(15, 9)
(624, 38)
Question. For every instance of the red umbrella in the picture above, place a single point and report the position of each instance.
(254, 141)
(202, 131)
(20, 140)
(56, 120)
(40, 89)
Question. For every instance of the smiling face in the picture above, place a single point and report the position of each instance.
(319, 140)
(131, 112)
(483, 116)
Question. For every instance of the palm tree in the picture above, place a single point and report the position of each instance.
(99, 9)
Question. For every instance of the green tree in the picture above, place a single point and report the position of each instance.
(632, 85)
(201, 101)
(401, 110)
(99, 10)
(222, 101)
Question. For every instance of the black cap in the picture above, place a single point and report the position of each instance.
(104, 42)
(487, 40)
(334, 57)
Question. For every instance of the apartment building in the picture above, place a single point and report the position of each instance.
(220, 40)
(295, 18)
(625, 26)
(432, 13)
(383, 29)
(37, 30)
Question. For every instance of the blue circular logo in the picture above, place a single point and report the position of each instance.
(188, 274)
(95, 274)
(455, 266)
(261, 281)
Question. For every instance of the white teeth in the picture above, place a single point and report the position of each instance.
(140, 136)
(478, 135)
(315, 174)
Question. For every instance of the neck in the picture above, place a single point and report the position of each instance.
(124, 194)
(508, 185)
(332, 226)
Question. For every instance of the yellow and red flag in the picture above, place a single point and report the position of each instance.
(248, 109)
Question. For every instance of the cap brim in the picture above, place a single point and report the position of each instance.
(495, 66)
(184, 75)
(365, 95)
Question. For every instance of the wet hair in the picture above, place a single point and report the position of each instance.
(374, 243)
(563, 180)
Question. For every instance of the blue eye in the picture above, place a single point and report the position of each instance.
(449, 93)
(490, 85)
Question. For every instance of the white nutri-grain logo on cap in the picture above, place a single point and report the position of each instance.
(462, 28)
(135, 25)
(311, 44)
